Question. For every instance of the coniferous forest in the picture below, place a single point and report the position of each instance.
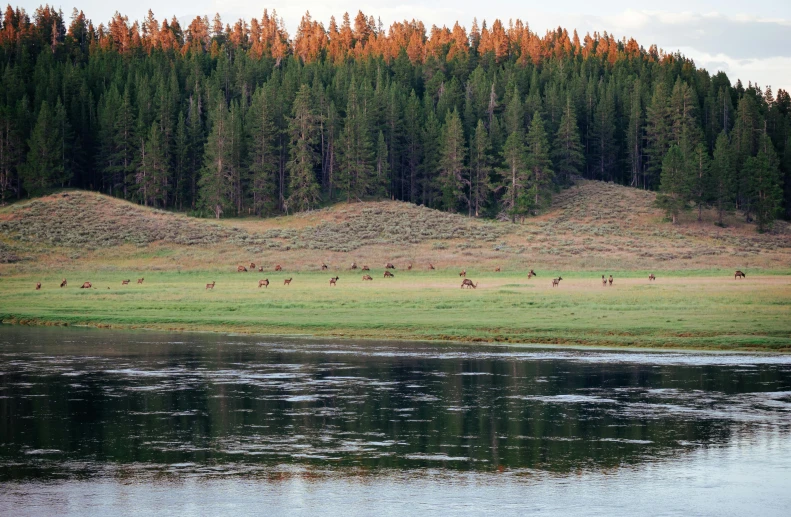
(227, 119)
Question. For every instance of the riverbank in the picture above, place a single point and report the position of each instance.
(707, 310)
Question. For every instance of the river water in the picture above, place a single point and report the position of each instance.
(96, 422)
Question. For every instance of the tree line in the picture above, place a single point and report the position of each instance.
(224, 120)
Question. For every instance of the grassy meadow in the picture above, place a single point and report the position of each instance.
(691, 309)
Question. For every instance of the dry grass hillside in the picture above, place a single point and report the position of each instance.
(592, 225)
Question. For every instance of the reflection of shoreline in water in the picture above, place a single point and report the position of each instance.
(215, 406)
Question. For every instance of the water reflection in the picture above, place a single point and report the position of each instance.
(94, 403)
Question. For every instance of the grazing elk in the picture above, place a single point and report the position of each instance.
(531, 274)
(431, 266)
(334, 280)
(497, 270)
(287, 281)
(610, 280)
(739, 274)
(38, 286)
(388, 274)
(651, 277)
(86, 285)
(463, 273)
(264, 283)
(367, 277)
(409, 267)
(124, 282)
(389, 265)
(468, 284)
(140, 280)
(278, 267)
(354, 265)
(63, 283)
(556, 281)
(324, 267)
(252, 266)
(603, 281)
(241, 269)
(366, 268)
(211, 285)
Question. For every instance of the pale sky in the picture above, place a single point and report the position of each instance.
(750, 41)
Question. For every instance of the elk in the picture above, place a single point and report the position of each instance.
(497, 270)
(211, 285)
(366, 268)
(431, 266)
(354, 265)
(610, 280)
(367, 277)
(323, 267)
(603, 281)
(556, 281)
(334, 280)
(739, 274)
(38, 286)
(86, 285)
(241, 269)
(140, 280)
(463, 273)
(389, 265)
(264, 283)
(287, 281)
(63, 283)
(260, 269)
(388, 274)
(468, 283)
(252, 265)
(124, 282)
(278, 268)
(409, 267)
(531, 274)
(651, 277)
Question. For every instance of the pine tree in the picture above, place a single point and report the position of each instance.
(356, 175)
(480, 171)
(675, 184)
(44, 165)
(700, 167)
(10, 156)
(657, 133)
(568, 157)
(515, 172)
(451, 163)
(634, 138)
(722, 187)
(151, 169)
(304, 189)
(605, 149)
(263, 152)
(216, 187)
(382, 166)
(539, 191)
(180, 161)
(763, 180)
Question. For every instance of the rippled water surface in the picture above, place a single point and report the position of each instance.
(200, 424)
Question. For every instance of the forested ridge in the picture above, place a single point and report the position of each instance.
(238, 119)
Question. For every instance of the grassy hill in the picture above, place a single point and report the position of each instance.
(591, 226)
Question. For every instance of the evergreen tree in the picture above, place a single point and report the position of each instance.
(262, 137)
(568, 157)
(304, 189)
(451, 163)
(764, 184)
(151, 169)
(10, 156)
(721, 184)
(382, 166)
(515, 172)
(634, 137)
(658, 132)
(356, 174)
(216, 186)
(539, 165)
(44, 167)
(480, 170)
(605, 149)
(700, 167)
(675, 184)
(180, 161)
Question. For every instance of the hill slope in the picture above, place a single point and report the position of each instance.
(592, 225)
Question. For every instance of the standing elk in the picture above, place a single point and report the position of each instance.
(603, 281)
(610, 280)
(354, 265)
(38, 286)
(739, 274)
(366, 268)
(409, 267)
(252, 266)
(86, 285)
(389, 265)
(468, 284)
(124, 282)
(556, 281)
(241, 269)
(651, 277)
(324, 267)
(287, 281)
(140, 280)
(388, 274)
(463, 273)
(497, 270)
(264, 283)
(531, 274)
(63, 283)
(431, 266)
(334, 280)
(260, 269)
(278, 267)
(367, 277)
(211, 285)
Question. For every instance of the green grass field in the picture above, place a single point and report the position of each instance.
(688, 309)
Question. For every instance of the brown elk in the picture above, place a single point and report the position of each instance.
(241, 269)
(366, 268)
(367, 277)
(63, 283)
(531, 274)
(86, 285)
(463, 273)
(610, 280)
(287, 281)
(431, 266)
(388, 274)
(124, 282)
(252, 266)
(278, 268)
(651, 277)
(354, 265)
(556, 281)
(260, 269)
(264, 283)
(603, 281)
(497, 270)
(739, 274)
(211, 285)
(140, 280)
(389, 265)
(324, 267)
(409, 267)
(468, 283)
(334, 280)
(38, 286)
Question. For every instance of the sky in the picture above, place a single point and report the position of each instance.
(749, 40)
